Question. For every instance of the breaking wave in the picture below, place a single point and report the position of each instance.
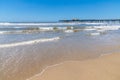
(29, 42)
(11, 24)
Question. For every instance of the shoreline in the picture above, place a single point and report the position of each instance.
(29, 42)
(50, 70)
(18, 58)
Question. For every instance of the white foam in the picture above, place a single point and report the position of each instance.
(93, 23)
(2, 32)
(45, 28)
(95, 34)
(39, 74)
(22, 24)
(10, 32)
(89, 29)
(28, 42)
(107, 27)
(69, 31)
(17, 27)
(5, 23)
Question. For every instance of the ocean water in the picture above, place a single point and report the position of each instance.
(27, 48)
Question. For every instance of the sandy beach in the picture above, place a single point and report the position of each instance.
(25, 55)
(106, 67)
(59, 40)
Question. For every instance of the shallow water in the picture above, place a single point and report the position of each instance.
(24, 61)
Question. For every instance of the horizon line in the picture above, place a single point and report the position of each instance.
(55, 21)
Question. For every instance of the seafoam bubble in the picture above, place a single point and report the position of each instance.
(2, 32)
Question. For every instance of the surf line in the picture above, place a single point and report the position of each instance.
(29, 42)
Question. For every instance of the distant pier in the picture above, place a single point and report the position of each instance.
(93, 20)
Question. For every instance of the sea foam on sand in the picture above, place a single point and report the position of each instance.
(28, 42)
(103, 68)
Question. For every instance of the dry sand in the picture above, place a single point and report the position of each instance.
(104, 68)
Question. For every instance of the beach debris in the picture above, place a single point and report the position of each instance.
(69, 28)
(76, 30)
(55, 28)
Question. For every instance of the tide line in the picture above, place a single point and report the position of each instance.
(29, 42)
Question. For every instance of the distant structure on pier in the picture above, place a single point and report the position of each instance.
(93, 20)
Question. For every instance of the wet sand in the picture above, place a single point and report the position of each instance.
(106, 67)
(25, 61)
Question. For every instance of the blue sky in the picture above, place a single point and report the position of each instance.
(53, 10)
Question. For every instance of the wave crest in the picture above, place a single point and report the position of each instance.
(28, 42)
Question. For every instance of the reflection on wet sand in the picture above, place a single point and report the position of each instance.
(23, 62)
